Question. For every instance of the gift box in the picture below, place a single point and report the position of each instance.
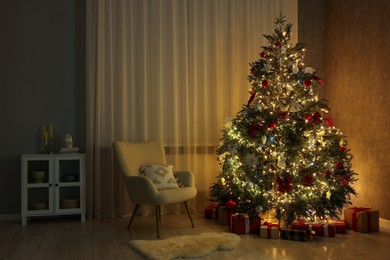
(269, 231)
(230, 210)
(320, 229)
(211, 211)
(244, 224)
(224, 215)
(340, 226)
(362, 219)
(296, 234)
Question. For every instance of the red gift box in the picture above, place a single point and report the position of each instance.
(230, 210)
(211, 211)
(244, 224)
(269, 231)
(325, 230)
(341, 227)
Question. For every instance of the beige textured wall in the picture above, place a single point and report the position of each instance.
(311, 28)
(356, 54)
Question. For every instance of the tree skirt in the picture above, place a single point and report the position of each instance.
(186, 246)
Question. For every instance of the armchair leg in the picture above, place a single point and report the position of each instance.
(189, 215)
(158, 219)
(132, 216)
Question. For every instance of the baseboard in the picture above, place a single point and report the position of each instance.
(203, 200)
(8, 217)
(384, 222)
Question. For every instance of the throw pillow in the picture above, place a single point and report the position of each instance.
(160, 174)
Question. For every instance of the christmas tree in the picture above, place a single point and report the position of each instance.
(282, 151)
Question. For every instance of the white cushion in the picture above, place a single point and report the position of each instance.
(160, 174)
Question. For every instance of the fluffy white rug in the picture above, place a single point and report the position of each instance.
(186, 246)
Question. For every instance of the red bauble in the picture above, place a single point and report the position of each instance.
(308, 180)
(284, 185)
(265, 83)
(263, 54)
(308, 118)
(307, 83)
(283, 115)
(342, 148)
(339, 166)
(327, 173)
(271, 126)
(278, 45)
(253, 70)
(254, 129)
(317, 118)
(344, 180)
(329, 121)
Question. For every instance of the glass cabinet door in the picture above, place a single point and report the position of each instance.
(69, 173)
(69, 197)
(38, 199)
(38, 181)
(69, 170)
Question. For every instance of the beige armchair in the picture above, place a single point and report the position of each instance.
(141, 190)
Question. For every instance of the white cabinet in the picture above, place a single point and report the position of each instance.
(53, 184)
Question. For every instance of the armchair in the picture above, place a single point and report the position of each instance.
(141, 190)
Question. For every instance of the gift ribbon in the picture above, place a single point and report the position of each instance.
(214, 213)
(309, 226)
(231, 220)
(269, 228)
(213, 209)
(319, 80)
(325, 228)
(355, 210)
(247, 224)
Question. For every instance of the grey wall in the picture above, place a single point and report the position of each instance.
(42, 82)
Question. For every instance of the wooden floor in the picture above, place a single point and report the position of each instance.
(68, 238)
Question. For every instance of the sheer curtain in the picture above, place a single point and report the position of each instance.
(171, 70)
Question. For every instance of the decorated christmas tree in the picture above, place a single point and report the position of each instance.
(281, 151)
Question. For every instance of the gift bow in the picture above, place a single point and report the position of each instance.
(355, 210)
(230, 204)
(270, 225)
(269, 228)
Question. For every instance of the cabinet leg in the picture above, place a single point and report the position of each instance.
(24, 221)
(83, 217)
